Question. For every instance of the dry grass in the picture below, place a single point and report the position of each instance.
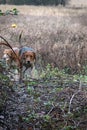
(78, 3)
(58, 34)
(43, 10)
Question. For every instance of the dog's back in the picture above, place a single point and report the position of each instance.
(25, 49)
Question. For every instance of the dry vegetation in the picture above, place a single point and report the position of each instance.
(56, 101)
(58, 34)
(43, 10)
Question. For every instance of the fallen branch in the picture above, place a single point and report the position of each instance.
(69, 110)
(80, 87)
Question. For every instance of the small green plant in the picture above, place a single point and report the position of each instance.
(68, 128)
(67, 70)
(32, 83)
(15, 11)
(84, 70)
(31, 116)
(47, 118)
(48, 104)
(30, 90)
(50, 72)
(7, 12)
(1, 13)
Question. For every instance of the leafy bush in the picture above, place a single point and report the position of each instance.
(15, 11)
(7, 12)
(51, 72)
(1, 13)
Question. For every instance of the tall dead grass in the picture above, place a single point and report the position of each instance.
(43, 10)
(58, 35)
(71, 54)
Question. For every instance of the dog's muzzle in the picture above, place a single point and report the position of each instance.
(5, 57)
(28, 62)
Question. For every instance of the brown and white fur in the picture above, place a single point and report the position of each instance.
(11, 57)
(27, 57)
(24, 58)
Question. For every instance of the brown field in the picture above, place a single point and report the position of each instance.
(43, 10)
(59, 35)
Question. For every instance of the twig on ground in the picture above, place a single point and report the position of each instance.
(80, 87)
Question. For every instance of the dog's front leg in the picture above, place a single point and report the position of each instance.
(21, 75)
(34, 72)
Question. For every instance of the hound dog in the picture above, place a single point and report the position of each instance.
(27, 57)
(11, 57)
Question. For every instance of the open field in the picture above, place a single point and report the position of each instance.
(43, 10)
(58, 34)
(57, 100)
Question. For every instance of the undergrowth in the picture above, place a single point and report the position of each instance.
(54, 100)
(54, 112)
(14, 11)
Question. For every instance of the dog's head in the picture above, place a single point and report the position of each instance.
(7, 55)
(29, 57)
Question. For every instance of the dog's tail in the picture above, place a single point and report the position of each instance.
(20, 42)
